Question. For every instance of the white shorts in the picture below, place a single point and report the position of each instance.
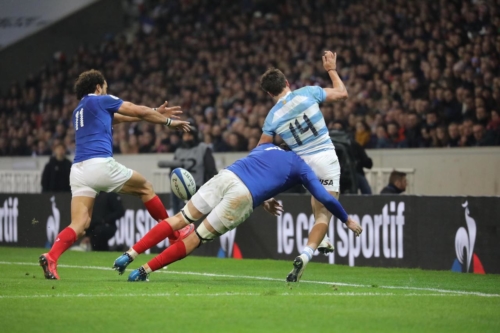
(326, 166)
(94, 175)
(226, 200)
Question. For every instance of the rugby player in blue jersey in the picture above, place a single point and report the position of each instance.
(297, 119)
(229, 198)
(94, 168)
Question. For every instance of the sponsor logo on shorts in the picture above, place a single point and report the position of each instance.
(326, 182)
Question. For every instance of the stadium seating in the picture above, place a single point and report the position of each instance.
(419, 74)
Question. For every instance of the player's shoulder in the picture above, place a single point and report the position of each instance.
(307, 90)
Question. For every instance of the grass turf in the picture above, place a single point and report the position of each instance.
(201, 294)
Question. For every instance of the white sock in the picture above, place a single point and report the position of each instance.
(132, 253)
(147, 269)
(307, 254)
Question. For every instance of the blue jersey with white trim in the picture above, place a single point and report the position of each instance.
(269, 170)
(297, 118)
(93, 121)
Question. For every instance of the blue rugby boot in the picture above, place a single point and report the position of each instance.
(138, 275)
(122, 262)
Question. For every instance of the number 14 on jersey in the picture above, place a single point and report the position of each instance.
(299, 129)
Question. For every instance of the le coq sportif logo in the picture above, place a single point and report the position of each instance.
(467, 261)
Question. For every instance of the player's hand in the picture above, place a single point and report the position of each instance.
(354, 226)
(171, 112)
(180, 125)
(330, 61)
(273, 207)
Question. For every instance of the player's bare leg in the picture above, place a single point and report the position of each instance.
(322, 220)
(316, 235)
(81, 212)
(175, 252)
(138, 185)
(182, 221)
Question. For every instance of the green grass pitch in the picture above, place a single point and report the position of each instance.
(202, 294)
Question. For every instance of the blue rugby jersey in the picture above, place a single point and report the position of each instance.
(93, 121)
(269, 170)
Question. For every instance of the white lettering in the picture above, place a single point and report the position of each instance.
(385, 237)
(383, 234)
(367, 243)
(302, 224)
(342, 244)
(280, 233)
(376, 234)
(400, 222)
(8, 220)
(288, 233)
(354, 243)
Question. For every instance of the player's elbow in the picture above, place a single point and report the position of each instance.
(337, 95)
(343, 95)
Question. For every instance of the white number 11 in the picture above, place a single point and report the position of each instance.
(78, 114)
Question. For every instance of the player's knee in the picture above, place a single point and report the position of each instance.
(148, 189)
(204, 235)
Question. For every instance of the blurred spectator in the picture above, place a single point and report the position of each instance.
(442, 139)
(408, 66)
(454, 135)
(467, 138)
(397, 183)
(361, 159)
(55, 176)
(482, 138)
(363, 134)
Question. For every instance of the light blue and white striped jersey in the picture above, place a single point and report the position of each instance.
(296, 117)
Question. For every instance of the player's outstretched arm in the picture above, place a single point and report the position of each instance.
(338, 92)
(151, 115)
(171, 112)
(311, 182)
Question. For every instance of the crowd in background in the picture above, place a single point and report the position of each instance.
(419, 73)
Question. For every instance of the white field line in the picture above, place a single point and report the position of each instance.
(216, 295)
(262, 278)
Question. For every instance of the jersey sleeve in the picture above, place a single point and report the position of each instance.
(269, 128)
(313, 185)
(317, 93)
(110, 103)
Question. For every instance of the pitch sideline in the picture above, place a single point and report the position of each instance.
(262, 278)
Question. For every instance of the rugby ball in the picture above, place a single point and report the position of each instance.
(182, 184)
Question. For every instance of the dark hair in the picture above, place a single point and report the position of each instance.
(395, 176)
(340, 123)
(273, 81)
(87, 82)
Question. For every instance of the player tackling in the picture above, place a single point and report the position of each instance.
(94, 168)
(297, 118)
(228, 199)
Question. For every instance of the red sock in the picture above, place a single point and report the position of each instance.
(171, 254)
(158, 212)
(158, 233)
(64, 240)
(156, 209)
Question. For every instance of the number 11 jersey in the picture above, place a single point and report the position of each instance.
(296, 117)
(93, 121)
